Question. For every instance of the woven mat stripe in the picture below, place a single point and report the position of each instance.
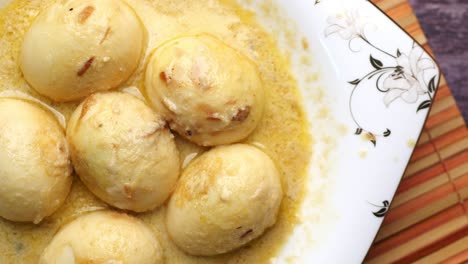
(456, 259)
(418, 229)
(428, 220)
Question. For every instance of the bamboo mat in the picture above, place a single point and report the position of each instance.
(428, 219)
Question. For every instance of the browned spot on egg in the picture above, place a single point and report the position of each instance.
(163, 77)
(206, 109)
(189, 133)
(116, 215)
(231, 102)
(86, 66)
(129, 192)
(246, 233)
(242, 114)
(106, 34)
(85, 14)
(47, 153)
(61, 148)
(88, 103)
(206, 172)
(80, 260)
(213, 118)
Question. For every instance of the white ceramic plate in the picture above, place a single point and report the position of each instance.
(367, 88)
(378, 85)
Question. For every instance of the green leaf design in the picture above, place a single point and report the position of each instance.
(431, 86)
(376, 63)
(398, 53)
(387, 133)
(381, 212)
(358, 131)
(424, 105)
(383, 209)
(355, 82)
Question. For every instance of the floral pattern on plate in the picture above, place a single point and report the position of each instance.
(405, 79)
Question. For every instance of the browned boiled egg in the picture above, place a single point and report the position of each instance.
(123, 151)
(225, 198)
(35, 168)
(210, 93)
(78, 47)
(103, 237)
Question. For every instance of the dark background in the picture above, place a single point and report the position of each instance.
(445, 23)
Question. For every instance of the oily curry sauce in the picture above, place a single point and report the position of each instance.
(282, 134)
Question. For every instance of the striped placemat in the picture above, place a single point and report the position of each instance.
(428, 219)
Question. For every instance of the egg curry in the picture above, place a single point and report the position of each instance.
(143, 131)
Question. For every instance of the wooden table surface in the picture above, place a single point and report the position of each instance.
(441, 21)
(428, 219)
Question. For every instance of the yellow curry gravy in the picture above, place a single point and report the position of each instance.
(282, 133)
